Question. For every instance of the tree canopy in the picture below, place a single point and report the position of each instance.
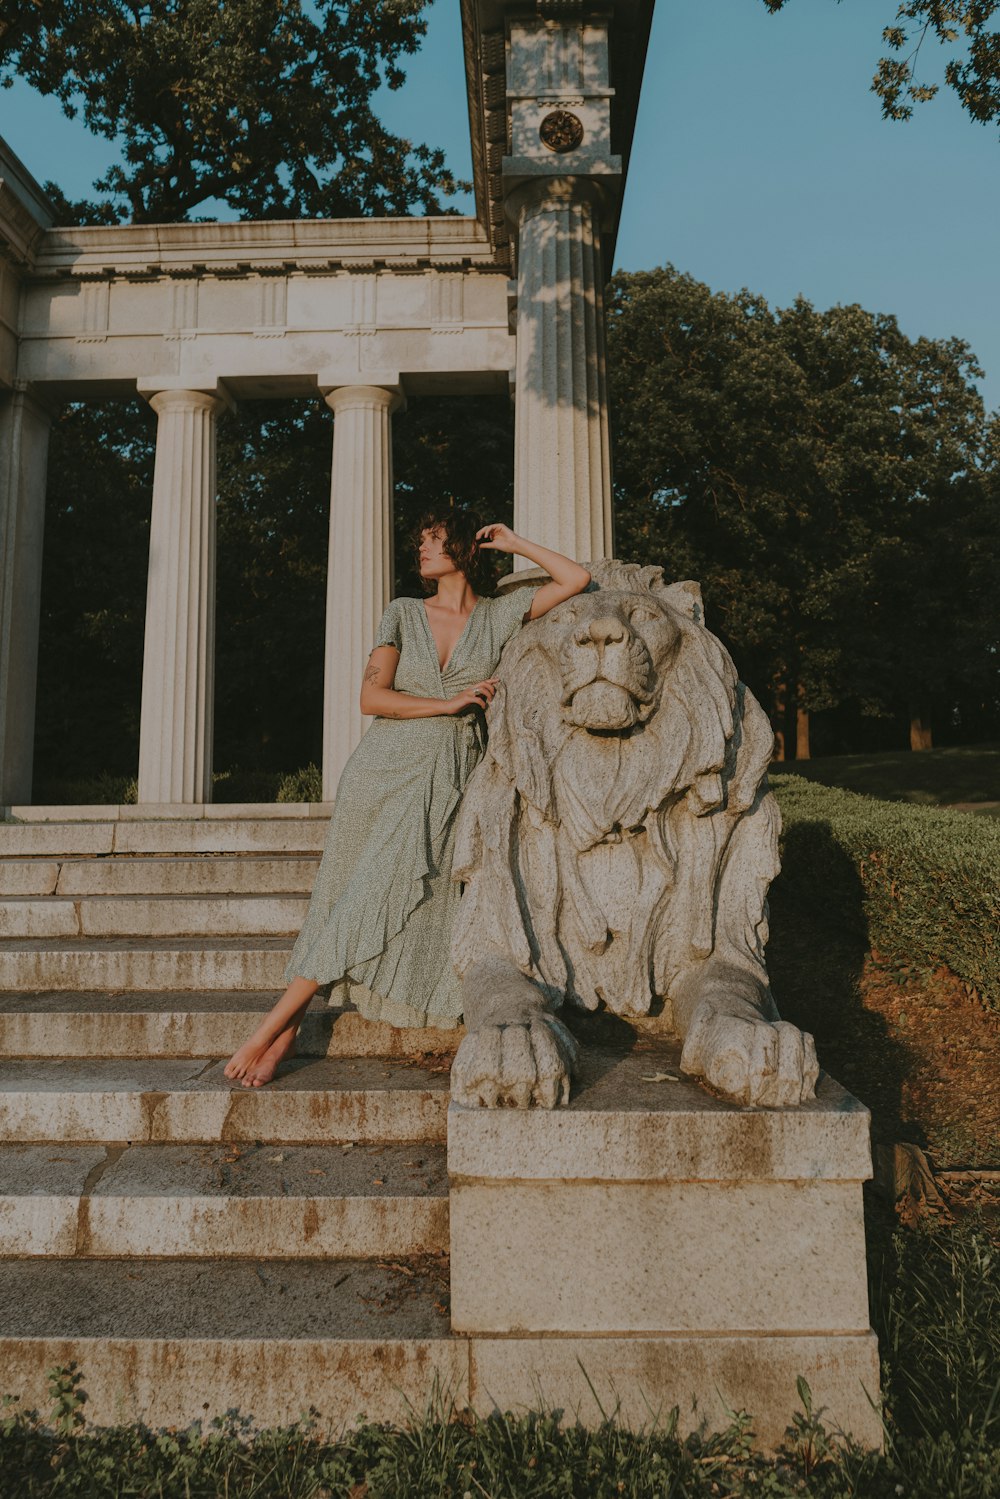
(265, 106)
(824, 477)
(972, 68)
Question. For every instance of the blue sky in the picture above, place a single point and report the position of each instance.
(761, 159)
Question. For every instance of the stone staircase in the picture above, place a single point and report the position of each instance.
(343, 1241)
(194, 1245)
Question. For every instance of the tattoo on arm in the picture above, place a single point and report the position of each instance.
(372, 675)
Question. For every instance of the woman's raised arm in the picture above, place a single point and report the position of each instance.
(568, 577)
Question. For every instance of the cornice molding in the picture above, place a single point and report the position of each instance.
(269, 247)
(485, 28)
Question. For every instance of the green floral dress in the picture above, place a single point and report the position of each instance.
(380, 917)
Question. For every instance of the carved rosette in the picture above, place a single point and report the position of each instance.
(561, 131)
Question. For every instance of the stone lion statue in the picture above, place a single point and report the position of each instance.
(616, 843)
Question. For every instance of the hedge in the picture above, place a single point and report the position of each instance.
(923, 883)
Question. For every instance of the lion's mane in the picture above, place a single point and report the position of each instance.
(607, 862)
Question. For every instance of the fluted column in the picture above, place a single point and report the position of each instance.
(359, 575)
(24, 450)
(562, 467)
(178, 668)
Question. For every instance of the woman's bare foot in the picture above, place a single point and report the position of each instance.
(250, 1052)
(285, 1016)
(262, 1071)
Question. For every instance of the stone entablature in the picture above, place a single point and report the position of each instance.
(266, 307)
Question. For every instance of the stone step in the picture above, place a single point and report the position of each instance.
(164, 874)
(153, 916)
(165, 1101)
(136, 963)
(168, 1341)
(169, 835)
(62, 1023)
(183, 811)
(361, 1201)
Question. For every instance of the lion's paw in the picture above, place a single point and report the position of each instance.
(751, 1061)
(515, 1065)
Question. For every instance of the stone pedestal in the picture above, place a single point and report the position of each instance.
(359, 575)
(682, 1250)
(562, 467)
(178, 670)
(24, 451)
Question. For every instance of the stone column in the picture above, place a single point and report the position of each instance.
(360, 571)
(24, 452)
(175, 734)
(562, 466)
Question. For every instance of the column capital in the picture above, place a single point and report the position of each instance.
(178, 393)
(340, 398)
(546, 192)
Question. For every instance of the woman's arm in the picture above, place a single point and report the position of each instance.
(380, 699)
(568, 577)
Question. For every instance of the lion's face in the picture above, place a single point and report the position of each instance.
(612, 648)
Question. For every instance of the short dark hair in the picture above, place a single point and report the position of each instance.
(459, 528)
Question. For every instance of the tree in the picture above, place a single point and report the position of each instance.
(962, 26)
(786, 459)
(265, 106)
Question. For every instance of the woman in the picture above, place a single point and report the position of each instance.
(380, 917)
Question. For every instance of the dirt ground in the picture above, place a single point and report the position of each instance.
(917, 1047)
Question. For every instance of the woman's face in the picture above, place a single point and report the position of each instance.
(434, 560)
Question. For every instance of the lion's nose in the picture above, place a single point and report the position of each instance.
(607, 629)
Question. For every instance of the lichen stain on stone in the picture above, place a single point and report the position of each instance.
(310, 1221)
(83, 1229)
(149, 1103)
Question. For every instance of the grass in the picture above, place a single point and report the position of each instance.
(966, 774)
(935, 1306)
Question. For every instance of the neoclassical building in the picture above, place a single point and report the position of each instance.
(359, 313)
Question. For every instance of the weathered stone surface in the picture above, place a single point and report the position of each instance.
(21, 839)
(165, 1341)
(209, 874)
(706, 1257)
(21, 916)
(616, 844)
(184, 915)
(635, 1118)
(642, 1378)
(28, 876)
(208, 1023)
(362, 1201)
(40, 1187)
(224, 834)
(138, 963)
(166, 1100)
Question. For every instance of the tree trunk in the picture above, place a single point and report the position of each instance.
(801, 727)
(802, 733)
(779, 712)
(920, 729)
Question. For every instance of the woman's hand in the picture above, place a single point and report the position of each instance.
(496, 537)
(480, 695)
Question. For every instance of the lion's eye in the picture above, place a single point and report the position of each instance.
(642, 614)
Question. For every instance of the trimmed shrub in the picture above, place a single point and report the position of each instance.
(921, 884)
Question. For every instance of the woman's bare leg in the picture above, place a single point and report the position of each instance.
(285, 1015)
